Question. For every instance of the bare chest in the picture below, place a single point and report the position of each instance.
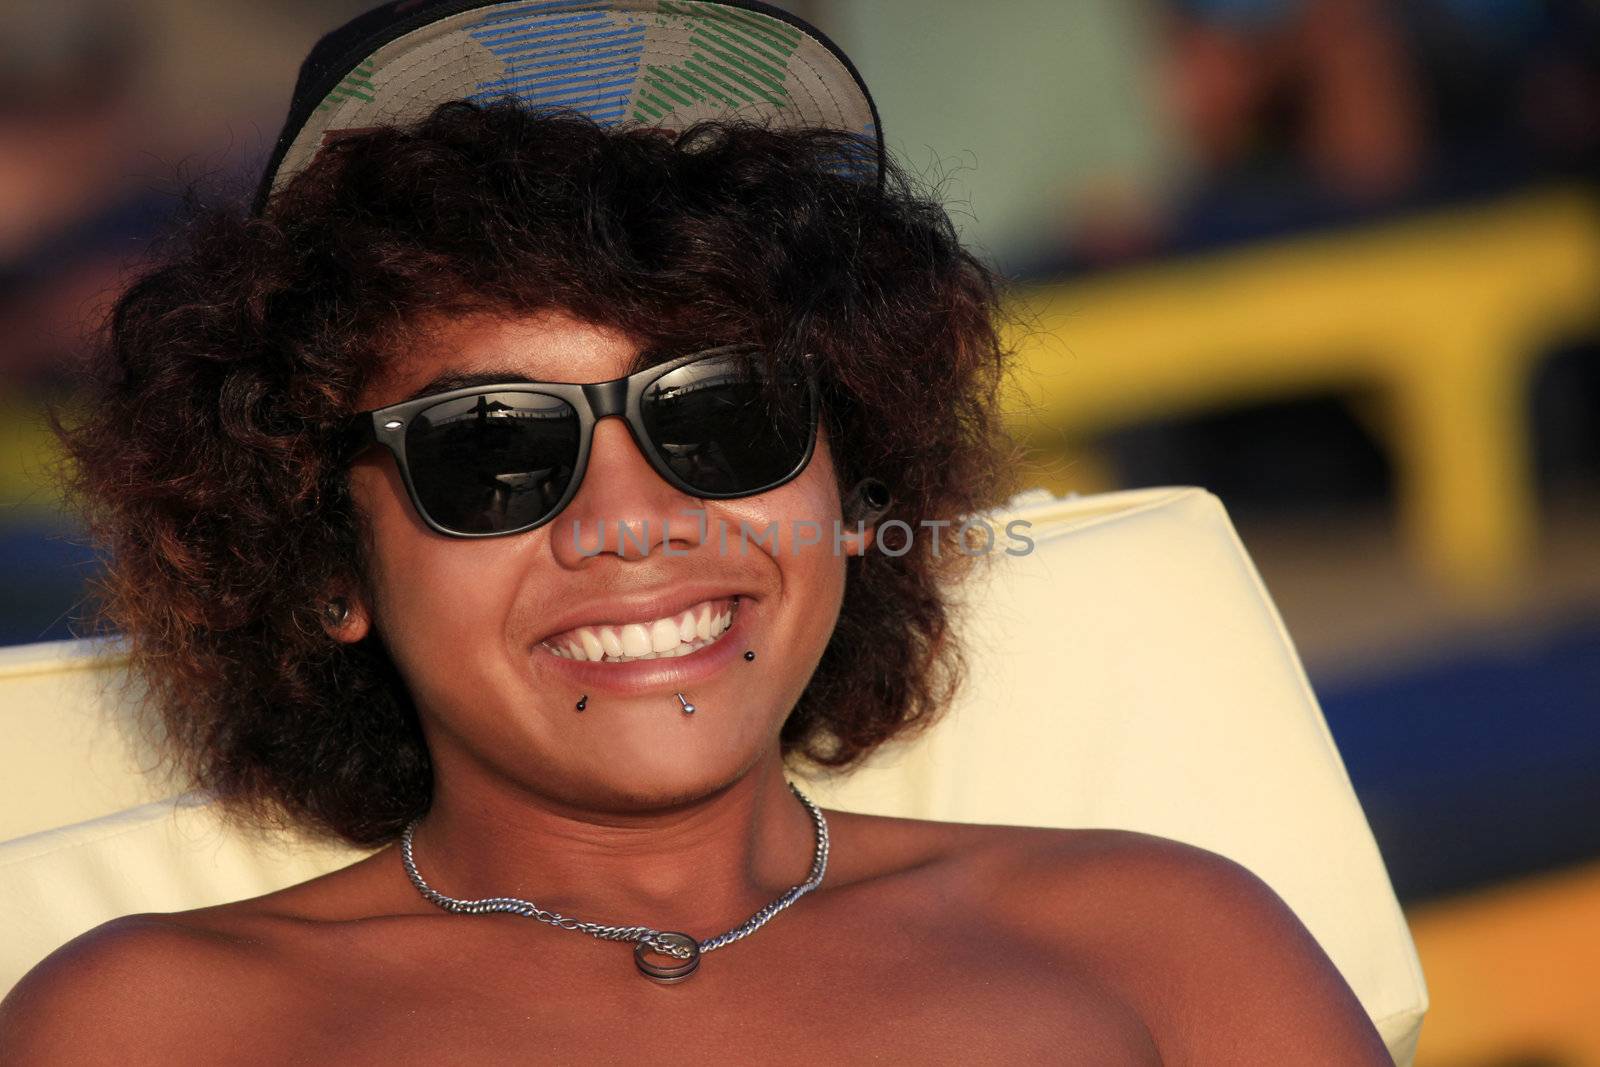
(852, 994)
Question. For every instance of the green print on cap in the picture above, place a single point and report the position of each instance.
(357, 84)
(737, 61)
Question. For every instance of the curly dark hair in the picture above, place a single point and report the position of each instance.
(204, 458)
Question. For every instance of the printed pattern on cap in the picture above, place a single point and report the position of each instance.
(663, 63)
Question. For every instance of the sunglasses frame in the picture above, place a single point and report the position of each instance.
(593, 401)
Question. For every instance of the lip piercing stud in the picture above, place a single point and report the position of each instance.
(688, 708)
(749, 654)
(583, 701)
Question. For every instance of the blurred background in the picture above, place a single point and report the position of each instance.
(1337, 261)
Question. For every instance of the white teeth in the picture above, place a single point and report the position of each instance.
(635, 640)
(663, 635)
(687, 632)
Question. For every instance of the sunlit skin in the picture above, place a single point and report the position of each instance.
(927, 942)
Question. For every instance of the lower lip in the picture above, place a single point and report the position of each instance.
(642, 676)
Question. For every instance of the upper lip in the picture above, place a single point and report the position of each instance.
(643, 606)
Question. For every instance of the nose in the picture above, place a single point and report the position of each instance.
(623, 507)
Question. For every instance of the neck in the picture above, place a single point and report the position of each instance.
(701, 865)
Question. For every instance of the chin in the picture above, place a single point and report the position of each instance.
(652, 771)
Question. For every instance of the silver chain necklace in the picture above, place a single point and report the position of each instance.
(680, 946)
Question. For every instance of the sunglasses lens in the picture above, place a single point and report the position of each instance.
(492, 462)
(728, 429)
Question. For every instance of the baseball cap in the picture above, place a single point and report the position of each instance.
(658, 63)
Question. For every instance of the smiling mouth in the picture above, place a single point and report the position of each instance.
(687, 632)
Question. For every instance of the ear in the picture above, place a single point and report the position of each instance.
(860, 509)
(356, 622)
(854, 544)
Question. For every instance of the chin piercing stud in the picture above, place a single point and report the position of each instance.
(749, 654)
(688, 708)
(583, 701)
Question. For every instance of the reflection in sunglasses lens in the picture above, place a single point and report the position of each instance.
(492, 462)
(724, 427)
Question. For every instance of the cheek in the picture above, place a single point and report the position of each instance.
(811, 576)
(437, 599)
(806, 510)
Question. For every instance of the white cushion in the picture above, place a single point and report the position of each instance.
(67, 737)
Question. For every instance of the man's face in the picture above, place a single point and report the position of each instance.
(472, 624)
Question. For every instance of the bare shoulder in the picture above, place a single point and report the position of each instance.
(1218, 965)
(1024, 851)
(125, 991)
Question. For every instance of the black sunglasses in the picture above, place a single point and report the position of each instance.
(491, 460)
